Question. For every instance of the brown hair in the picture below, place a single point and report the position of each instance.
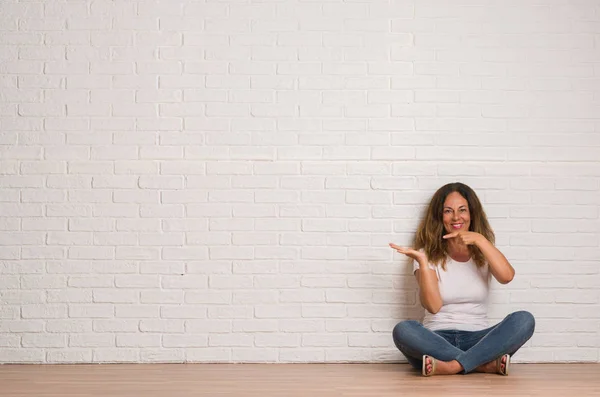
(431, 229)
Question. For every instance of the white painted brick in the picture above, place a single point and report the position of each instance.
(152, 211)
(211, 238)
(161, 267)
(323, 282)
(231, 253)
(116, 355)
(302, 325)
(138, 340)
(91, 340)
(152, 122)
(69, 356)
(191, 253)
(43, 282)
(254, 239)
(25, 238)
(225, 224)
(208, 297)
(277, 311)
(323, 311)
(302, 239)
(136, 281)
(233, 340)
(92, 281)
(70, 295)
(19, 296)
(143, 253)
(137, 311)
(255, 326)
(253, 355)
(341, 325)
(11, 224)
(96, 310)
(162, 326)
(186, 225)
(8, 312)
(43, 311)
(115, 296)
(19, 326)
(128, 196)
(184, 197)
(230, 312)
(208, 326)
(10, 253)
(145, 225)
(184, 281)
(325, 340)
(185, 341)
(281, 340)
(22, 355)
(162, 297)
(276, 253)
(212, 355)
(21, 153)
(163, 355)
(187, 311)
(16, 340)
(91, 252)
(304, 295)
(301, 356)
(255, 297)
(369, 311)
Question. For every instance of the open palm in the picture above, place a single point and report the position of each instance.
(411, 253)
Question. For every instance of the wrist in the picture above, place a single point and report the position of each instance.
(480, 240)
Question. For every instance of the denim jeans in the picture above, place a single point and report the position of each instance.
(470, 348)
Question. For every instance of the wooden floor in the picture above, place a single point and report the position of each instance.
(322, 380)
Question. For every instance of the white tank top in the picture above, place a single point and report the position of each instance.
(465, 290)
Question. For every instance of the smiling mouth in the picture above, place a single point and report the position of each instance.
(457, 225)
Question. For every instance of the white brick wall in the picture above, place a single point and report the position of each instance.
(187, 180)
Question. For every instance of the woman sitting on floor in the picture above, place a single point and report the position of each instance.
(454, 259)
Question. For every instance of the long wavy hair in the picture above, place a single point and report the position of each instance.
(429, 235)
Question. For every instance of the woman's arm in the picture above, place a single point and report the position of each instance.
(500, 267)
(429, 292)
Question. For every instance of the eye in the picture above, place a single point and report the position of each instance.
(463, 210)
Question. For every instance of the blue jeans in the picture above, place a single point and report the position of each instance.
(470, 348)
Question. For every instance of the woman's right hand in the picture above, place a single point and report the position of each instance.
(419, 256)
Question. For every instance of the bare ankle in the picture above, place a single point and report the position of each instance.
(455, 366)
(489, 367)
(483, 368)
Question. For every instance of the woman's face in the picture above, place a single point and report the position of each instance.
(456, 216)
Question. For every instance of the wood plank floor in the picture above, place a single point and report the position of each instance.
(323, 380)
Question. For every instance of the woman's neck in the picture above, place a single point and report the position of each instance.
(459, 252)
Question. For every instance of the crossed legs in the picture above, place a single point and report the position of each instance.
(506, 337)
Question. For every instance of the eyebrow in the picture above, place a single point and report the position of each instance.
(462, 206)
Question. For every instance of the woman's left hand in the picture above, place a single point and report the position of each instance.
(467, 238)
